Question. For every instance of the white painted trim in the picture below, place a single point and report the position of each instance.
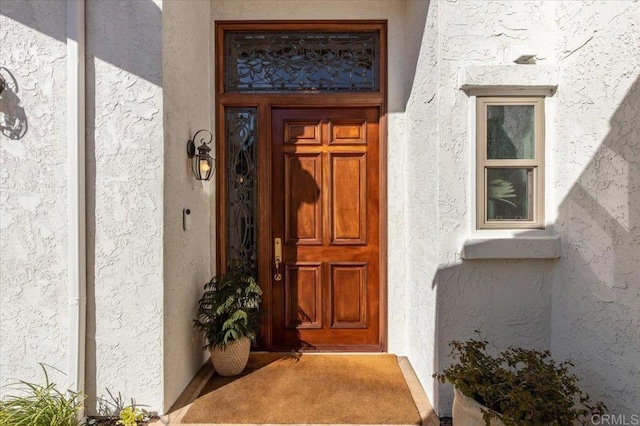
(499, 243)
(523, 247)
(551, 208)
(472, 110)
(510, 91)
(77, 201)
(537, 78)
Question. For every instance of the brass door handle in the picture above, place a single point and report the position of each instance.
(277, 258)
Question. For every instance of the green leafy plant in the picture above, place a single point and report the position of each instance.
(519, 386)
(228, 309)
(40, 405)
(130, 416)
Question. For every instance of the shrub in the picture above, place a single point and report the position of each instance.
(40, 405)
(520, 387)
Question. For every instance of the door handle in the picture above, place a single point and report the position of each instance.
(277, 258)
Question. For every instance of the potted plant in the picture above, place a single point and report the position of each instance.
(516, 387)
(228, 317)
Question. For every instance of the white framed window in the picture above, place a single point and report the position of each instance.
(510, 162)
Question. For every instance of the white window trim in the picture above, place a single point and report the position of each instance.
(510, 243)
(511, 80)
(536, 164)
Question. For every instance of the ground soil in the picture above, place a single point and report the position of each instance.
(108, 421)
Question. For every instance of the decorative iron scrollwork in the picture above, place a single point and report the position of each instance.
(276, 61)
(241, 187)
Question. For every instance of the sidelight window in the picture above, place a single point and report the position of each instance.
(241, 187)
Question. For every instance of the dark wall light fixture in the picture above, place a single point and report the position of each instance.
(202, 164)
(13, 119)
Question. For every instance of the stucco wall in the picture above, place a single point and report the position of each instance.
(33, 191)
(507, 301)
(188, 255)
(596, 293)
(148, 91)
(584, 305)
(421, 191)
(125, 203)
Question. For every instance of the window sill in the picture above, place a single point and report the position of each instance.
(518, 247)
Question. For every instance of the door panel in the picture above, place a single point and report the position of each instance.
(348, 188)
(348, 132)
(348, 295)
(303, 295)
(301, 133)
(303, 206)
(325, 204)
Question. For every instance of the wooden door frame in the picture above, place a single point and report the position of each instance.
(264, 103)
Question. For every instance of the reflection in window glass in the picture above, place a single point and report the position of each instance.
(510, 132)
(509, 194)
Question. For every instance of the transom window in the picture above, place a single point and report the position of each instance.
(510, 162)
(285, 61)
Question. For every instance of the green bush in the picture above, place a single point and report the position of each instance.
(40, 405)
(520, 387)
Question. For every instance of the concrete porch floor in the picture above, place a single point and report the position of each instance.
(191, 392)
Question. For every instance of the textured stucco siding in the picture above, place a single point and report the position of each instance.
(125, 167)
(584, 305)
(188, 255)
(33, 192)
(507, 301)
(149, 75)
(421, 193)
(596, 293)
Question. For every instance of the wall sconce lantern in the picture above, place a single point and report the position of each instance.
(202, 164)
(13, 119)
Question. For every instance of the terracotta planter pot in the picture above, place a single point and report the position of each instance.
(468, 412)
(231, 360)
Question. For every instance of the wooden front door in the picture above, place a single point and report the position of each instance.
(325, 209)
